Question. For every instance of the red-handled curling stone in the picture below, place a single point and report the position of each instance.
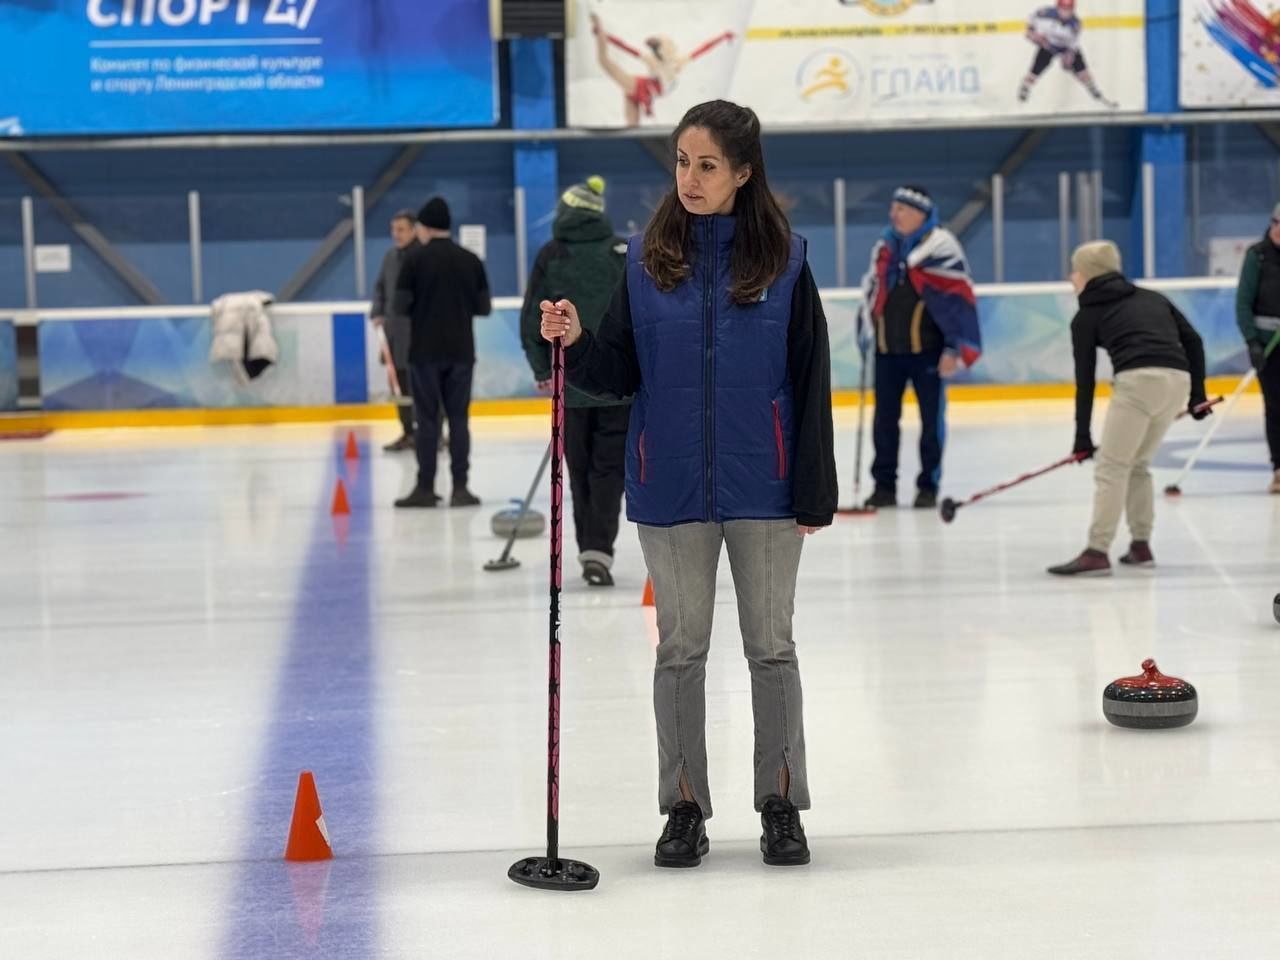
(1150, 701)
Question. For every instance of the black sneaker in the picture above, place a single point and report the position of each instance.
(405, 442)
(419, 498)
(596, 574)
(1139, 555)
(783, 843)
(883, 497)
(684, 839)
(926, 500)
(464, 498)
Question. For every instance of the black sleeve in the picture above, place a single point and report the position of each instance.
(536, 350)
(484, 303)
(605, 365)
(814, 491)
(406, 284)
(1194, 348)
(378, 308)
(1084, 344)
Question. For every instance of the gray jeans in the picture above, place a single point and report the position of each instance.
(764, 556)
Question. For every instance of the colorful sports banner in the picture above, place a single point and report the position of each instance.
(1230, 53)
(644, 62)
(226, 66)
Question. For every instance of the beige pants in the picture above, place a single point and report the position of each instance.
(1144, 403)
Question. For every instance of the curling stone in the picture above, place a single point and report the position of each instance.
(504, 522)
(1150, 701)
(1275, 607)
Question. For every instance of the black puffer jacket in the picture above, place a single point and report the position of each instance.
(1137, 328)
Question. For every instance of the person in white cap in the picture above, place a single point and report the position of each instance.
(1159, 370)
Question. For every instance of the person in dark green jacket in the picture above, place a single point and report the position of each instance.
(584, 262)
(1258, 316)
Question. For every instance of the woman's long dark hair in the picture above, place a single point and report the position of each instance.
(762, 240)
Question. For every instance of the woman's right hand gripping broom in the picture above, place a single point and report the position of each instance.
(560, 320)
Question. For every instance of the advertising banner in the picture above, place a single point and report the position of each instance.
(644, 62)
(1230, 53)
(226, 66)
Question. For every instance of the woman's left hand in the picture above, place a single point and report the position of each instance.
(804, 531)
(948, 365)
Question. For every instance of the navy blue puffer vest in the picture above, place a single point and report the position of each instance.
(711, 429)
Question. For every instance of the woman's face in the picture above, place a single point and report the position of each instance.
(705, 179)
(1078, 281)
(1274, 232)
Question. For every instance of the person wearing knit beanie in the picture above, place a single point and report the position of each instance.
(583, 196)
(1159, 364)
(918, 325)
(434, 215)
(583, 262)
(442, 286)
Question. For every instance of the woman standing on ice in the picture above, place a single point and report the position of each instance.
(718, 331)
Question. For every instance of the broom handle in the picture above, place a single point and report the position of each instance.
(557, 537)
(983, 494)
(862, 419)
(1218, 421)
(1243, 385)
(387, 360)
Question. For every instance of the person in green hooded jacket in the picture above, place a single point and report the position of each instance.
(584, 261)
(1258, 316)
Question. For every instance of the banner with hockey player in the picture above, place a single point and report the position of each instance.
(1230, 53)
(797, 62)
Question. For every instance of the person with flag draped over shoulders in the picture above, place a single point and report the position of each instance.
(920, 313)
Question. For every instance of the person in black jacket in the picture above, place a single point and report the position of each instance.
(717, 330)
(1159, 370)
(1258, 316)
(394, 325)
(441, 287)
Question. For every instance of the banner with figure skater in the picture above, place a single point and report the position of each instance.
(636, 63)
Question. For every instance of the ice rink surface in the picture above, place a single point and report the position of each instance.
(183, 628)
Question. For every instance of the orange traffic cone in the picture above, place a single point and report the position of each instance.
(647, 600)
(308, 836)
(353, 451)
(340, 508)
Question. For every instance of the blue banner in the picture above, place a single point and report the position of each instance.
(225, 66)
(8, 366)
